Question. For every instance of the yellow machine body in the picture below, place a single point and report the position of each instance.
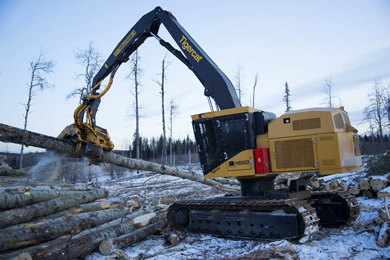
(311, 140)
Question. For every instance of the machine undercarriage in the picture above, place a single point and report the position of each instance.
(270, 214)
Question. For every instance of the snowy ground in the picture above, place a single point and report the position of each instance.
(356, 241)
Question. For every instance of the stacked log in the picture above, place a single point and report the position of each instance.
(9, 175)
(67, 248)
(66, 224)
(371, 187)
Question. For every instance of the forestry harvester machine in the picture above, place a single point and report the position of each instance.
(249, 144)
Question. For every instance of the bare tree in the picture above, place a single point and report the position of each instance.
(386, 104)
(327, 89)
(39, 68)
(161, 83)
(173, 111)
(254, 88)
(374, 112)
(238, 80)
(92, 60)
(286, 97)
(135, 74)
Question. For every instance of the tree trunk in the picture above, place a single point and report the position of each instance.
(162, 169)
(87, 207)
(38, 234)
(46, 222)
(15, 135)
(112, 223)
(131, 238)
(24, 214)
(229, 181)
(10, 201)
(36, 251)
(164, 149)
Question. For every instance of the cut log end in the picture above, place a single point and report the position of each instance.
(384, 233)
(172, 239)
(106, 246)
(364, 185)
(22, 256)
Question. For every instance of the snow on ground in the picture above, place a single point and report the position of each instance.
(355, 241)
(349, 178)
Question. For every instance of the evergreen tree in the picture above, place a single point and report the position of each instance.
(286, 97)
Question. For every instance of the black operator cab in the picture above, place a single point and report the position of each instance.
(223, 134)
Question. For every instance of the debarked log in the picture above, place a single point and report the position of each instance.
(35, 234)
(19, 136)
(133, 237)
(24, 214)
(118, 221)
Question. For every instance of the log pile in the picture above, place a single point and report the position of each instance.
(371, 187)
(61, 221)
(37, 223)
(66, 221)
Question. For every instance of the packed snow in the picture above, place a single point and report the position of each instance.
(354, 241)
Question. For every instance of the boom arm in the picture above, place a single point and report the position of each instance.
(216, 83)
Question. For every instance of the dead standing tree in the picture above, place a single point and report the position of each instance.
(238, 80)
(375, 111)
(254, 88)
(386, 104)
(327, 89)
(135, 74)
(92, 60)
(39, 69)
(173, 111)
(161, 83)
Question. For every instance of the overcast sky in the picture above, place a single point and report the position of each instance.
(300, 42)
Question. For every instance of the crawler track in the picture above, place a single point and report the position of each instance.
(335, 208)
(246, 218)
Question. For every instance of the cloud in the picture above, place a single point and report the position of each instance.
(365, 69)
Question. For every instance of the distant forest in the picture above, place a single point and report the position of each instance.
(183, 150)
(373, 144)
(151, 150)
